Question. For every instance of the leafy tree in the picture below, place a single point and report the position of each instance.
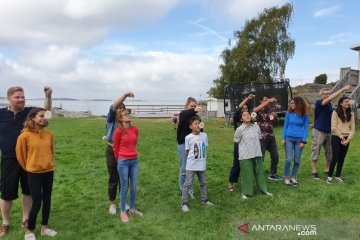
(321, 79)
(260, 53)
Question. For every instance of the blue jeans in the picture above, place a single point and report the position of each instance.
(292, 149)
(182, 162)
(127, 169)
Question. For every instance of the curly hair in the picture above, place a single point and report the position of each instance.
(300, 106)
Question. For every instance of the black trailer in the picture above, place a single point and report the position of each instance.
(235, 94)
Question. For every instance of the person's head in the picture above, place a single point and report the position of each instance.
(298, 105)
(246, 117)
(121, 108)
(343, 109)
(324, 93)
(124, 119)
(244, 108)
(190, 103)
(16, 98)
(194, 124)
(264, 98)
(36, 119)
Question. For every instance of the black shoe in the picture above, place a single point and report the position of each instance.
(316, 176)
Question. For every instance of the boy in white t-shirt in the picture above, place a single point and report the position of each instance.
(195, 147)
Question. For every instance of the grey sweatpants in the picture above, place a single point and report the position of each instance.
(188, 182)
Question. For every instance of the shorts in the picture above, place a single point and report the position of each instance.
(318, 139)
(11, 173)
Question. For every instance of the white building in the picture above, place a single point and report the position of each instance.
(215, 107)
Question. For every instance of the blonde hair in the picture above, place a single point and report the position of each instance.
(12, 90)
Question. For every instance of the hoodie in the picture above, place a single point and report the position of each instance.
(35, 150)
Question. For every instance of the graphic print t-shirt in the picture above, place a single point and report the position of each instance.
(196, 144)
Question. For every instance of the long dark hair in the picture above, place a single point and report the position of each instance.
(29, 123)
(300, 106)
(345, 116)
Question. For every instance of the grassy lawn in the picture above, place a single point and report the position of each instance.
(80, 204)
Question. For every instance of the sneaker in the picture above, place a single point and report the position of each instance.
(124, 217)
(29, 236)
(329, 180)
(191, 194)
(112, 209)
(339, 180)
(274, 177)
(136, 212)
(268, 193)
(287, 182)
(184, 207)
(48, 232)
(316, 176)
(243, 196)
(294, 182)
(207, 202)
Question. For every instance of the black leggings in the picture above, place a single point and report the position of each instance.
(40, 185)
(338, 156)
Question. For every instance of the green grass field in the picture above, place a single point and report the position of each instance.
(80, 203)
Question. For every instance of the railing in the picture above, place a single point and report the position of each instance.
(349, 76)
(343, 81)
(154, 110)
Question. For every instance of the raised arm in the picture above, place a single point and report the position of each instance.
(248, 98)
(335, 95)
(264, 104)
(120, 100)
(48, 101)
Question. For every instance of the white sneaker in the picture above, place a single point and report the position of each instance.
(30, 236)
(208, 203)
(185, 207)
(48, 232)
(338, 179)
(287, 182)
(268, 194)
(329, 180)
(112, 209)
(243, 196)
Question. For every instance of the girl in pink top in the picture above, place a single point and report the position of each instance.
(125, 141)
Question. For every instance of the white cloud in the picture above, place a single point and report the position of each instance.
(150, 75)
(237, 11)
(327, 11)
(73, 22)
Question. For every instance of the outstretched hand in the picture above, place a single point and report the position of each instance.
(347, 87)
(199, 109)
(47, 91)
(129, 94)
(251, 96)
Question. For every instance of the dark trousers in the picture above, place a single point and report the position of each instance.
(270, 145)
(113, 183)
(40, 185)
(338, 156)
(235, 170)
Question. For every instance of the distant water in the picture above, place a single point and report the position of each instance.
(97, 108)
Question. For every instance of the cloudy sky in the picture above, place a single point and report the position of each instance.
(159, 49)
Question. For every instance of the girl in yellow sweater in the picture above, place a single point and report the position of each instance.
(35, 153)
